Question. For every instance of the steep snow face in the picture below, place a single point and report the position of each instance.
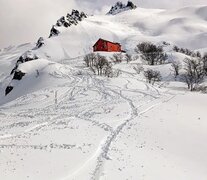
(38, 74)
(8, 59)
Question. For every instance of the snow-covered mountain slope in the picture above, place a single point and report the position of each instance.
(62, 122)
(185, 27)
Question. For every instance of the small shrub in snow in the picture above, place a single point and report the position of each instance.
(128, 58)
(136, 57)
(117, 58)
(115, 73)
(79, 73)
(152, 76)
(165, 43)
(201, 88)
(139, 68)
(151, 53)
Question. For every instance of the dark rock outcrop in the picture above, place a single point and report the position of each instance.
(18, 75)
(54, 32)
(120, 7)
(69, 20)
(8, 89)
(62, 22)
(28, 56)
(131, 5)
(40, 42)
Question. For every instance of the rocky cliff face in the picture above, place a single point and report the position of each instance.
(69, 20)
(120, 7)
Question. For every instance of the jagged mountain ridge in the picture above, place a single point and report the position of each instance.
(69, 20)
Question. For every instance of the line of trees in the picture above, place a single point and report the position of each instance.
(101, 66)
(193, 71)
(187, 52)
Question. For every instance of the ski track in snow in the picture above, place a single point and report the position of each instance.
(106, 147)
(71, 126)
(70, 106)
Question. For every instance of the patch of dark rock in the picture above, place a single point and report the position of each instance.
(54, 32)
(70, 19)
(120, 7)
(8, 89)
(40, 42)
(18, 75)
(28, 56)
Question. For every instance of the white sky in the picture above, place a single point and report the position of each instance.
(26, 20)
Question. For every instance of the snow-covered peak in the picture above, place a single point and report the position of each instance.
(120, 7)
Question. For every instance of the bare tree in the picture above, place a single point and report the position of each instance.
(89, 59)
(139, 68)
(176, 49)
(194, 72)
(176, 66)
(151, 53)
(152, 76)
(101, 64)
